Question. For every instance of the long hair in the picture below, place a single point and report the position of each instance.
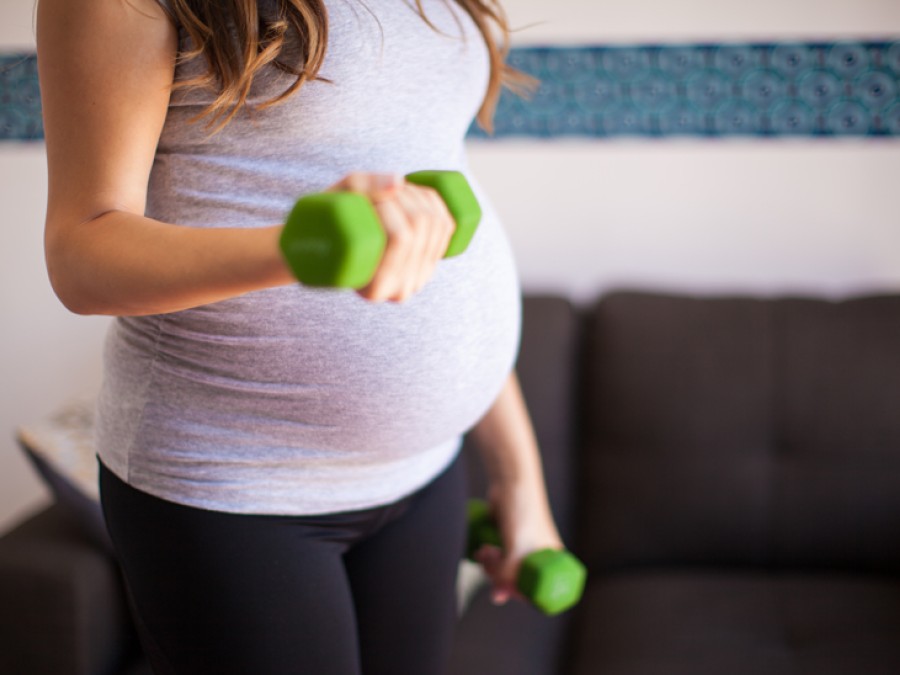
(237, 42)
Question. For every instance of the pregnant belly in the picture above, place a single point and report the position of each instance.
(326, 370)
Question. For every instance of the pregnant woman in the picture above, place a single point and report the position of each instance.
(280, 468)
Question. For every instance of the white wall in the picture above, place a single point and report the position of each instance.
(602, 21)
(46, 354)
(764, 216)
(726, 215)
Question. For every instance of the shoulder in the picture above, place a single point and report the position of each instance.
(104, 16)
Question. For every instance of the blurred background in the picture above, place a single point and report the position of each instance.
(703, 146)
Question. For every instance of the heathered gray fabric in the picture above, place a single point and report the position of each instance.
(302, 401)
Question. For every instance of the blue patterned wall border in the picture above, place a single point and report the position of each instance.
(20, 99)
(774, 89)
(820, 89)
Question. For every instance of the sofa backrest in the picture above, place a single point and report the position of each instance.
(741, 431)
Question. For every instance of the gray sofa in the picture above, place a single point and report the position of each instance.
(727, 467)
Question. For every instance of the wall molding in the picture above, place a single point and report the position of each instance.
(774, 89)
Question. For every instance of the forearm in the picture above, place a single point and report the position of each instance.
(507, 444)
(105, 103)
(517, 494)
(121, 263)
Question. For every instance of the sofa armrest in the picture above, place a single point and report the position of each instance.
(62, 604)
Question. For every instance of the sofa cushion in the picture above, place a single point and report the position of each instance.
(62, 599)
(678, 429)
(837, 433)
(743, 431)
(739, 623)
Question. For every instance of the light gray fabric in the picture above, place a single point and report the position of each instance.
(295, 400)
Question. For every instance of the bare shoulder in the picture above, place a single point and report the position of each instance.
(106, 69)
(102, 18)
(87, 34)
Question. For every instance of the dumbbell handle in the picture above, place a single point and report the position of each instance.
(551, 580)
(335, 239)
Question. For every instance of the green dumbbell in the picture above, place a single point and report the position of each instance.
(552, 580)
(334, 239)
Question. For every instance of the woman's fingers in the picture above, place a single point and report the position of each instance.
(396, 259)
(438, 235)
(418, 227)
(431, 224)
(502, 572)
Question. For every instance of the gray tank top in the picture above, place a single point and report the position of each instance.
(305, 401)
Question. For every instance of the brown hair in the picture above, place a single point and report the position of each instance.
(237, 42)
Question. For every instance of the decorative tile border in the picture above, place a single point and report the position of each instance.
(709, 90)
(20, 99)
(776, 89)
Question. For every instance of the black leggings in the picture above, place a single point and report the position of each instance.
(370, 591)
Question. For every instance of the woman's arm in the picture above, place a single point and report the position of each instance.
(517, 494)
(106, 69)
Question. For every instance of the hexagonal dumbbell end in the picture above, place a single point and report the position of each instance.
(333, 239)
(481, 527)
(552, 580)
(457, 194)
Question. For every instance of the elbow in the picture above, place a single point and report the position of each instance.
(76, 305)
(65, 280)
(66, 292)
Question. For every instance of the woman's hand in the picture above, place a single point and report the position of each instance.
(526, 525)
(418, 227)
